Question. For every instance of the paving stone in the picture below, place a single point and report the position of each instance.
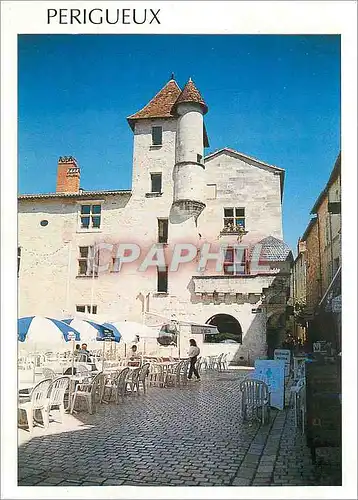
(113, 482)
(50, 482)
(246, 473)
(241, 481)
(204, 447)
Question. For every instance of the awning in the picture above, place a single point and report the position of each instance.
(203, 329)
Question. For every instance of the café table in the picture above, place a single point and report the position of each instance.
(26, 386)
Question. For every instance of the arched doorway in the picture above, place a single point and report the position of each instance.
(275, 332)
(230, 331)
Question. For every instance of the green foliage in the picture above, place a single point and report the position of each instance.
(219, 337)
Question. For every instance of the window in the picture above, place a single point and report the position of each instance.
(162, 281)
(18, 259)
(233, 218)
(87, 308)
(157, 133)
(199, 158)
(156, 180)
(86, 260)
(236, 262)
(334, 207)
(115, 265)
(211, 191)
(90, 216)
(162, 230)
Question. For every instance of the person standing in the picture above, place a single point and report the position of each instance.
(193, 354)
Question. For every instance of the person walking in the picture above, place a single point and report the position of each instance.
(193, 354)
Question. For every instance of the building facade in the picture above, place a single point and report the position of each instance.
(318, 266)
(78, 250)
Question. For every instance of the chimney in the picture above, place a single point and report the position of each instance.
(68, 175)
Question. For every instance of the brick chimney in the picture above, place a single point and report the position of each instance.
(68, 175)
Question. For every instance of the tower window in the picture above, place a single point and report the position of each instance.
(157, 136)
(156, 183)
(162, 280)
(162, 230)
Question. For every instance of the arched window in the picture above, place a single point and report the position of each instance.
(230, 331)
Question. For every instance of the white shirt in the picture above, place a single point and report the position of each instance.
(193, 351)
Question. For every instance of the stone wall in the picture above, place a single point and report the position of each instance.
(313, 277)
(49, 283)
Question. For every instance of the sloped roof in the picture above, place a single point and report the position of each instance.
(247, 158)
(334, 174)
(191, 94)
(80, 195)
(160, 106)
(274, 250)
(309, 227)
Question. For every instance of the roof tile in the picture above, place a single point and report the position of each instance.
(161, 104)
(191, 94)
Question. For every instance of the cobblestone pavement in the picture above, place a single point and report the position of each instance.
(189, 436)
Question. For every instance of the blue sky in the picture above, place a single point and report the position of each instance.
(276, 98)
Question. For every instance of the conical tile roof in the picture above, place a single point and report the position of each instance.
(161, 104)
(191, 94)
(274, 250)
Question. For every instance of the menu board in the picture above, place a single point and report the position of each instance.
(272, 372)
(285, 355)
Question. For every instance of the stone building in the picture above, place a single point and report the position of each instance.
(75, 245)
(318, 265)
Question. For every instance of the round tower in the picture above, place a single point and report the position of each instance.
(188, 173)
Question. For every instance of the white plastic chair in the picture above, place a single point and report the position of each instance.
(184, 371)
(216, 363)
(133, 380)
(89, 391)
(121, 384)
(82, 370)
(57, 394)
(157, 375)
(38, 401)
(142, 378)
(48, 372)
(255, 394)
(172, 376)
(298, 391)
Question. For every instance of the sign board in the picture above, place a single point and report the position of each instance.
(285, 355)
(107, 335)
(71, 336)
(204, 330)
(272, 372)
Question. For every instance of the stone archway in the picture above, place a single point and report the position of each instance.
(230, 330)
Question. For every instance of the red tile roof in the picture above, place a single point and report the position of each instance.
(191, 94)
(161, 104)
